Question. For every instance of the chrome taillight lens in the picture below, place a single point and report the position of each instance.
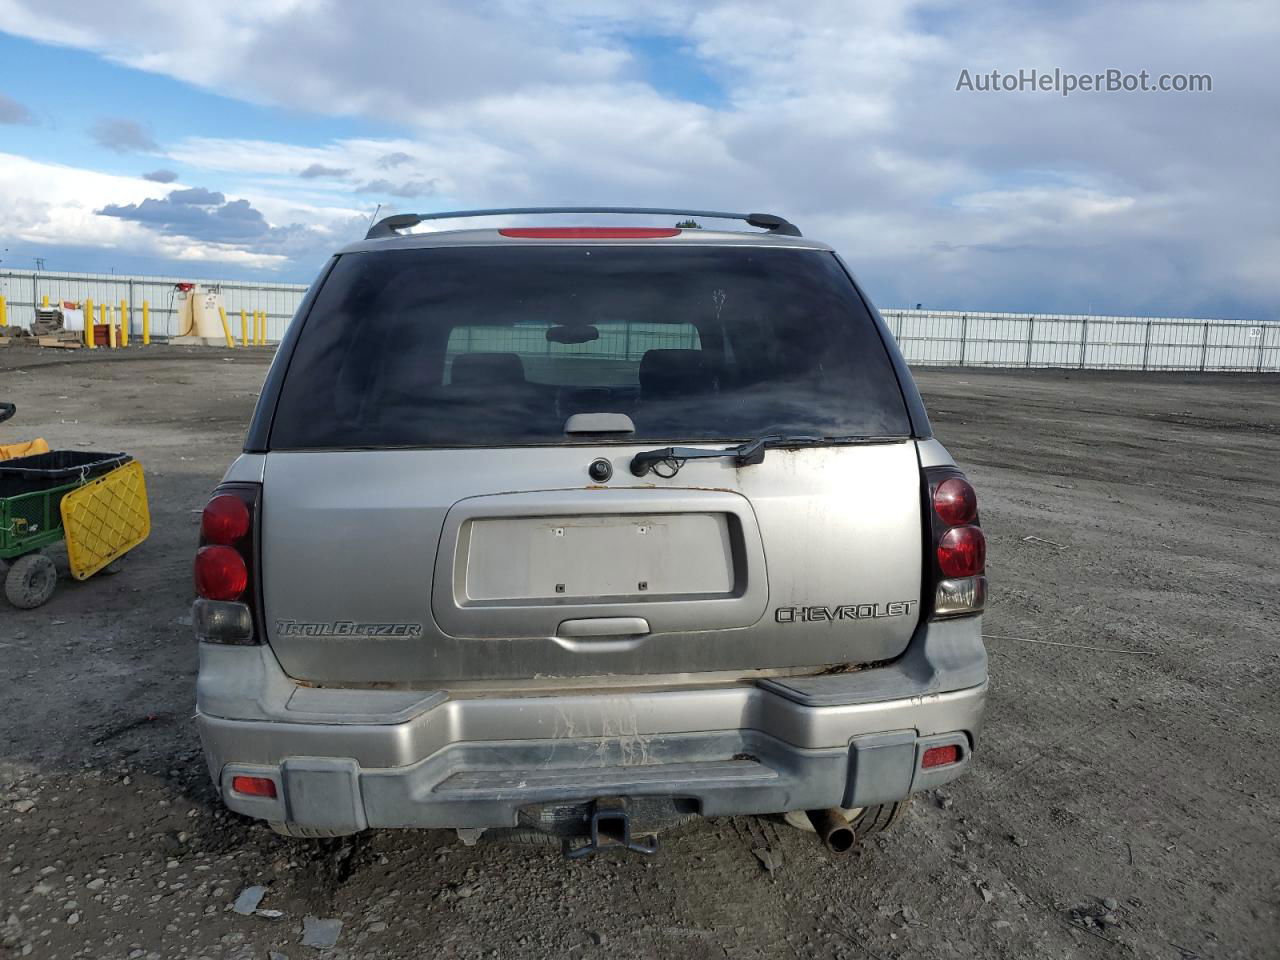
(221, 621)
(952, 598)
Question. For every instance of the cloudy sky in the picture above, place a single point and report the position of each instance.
(248, 140)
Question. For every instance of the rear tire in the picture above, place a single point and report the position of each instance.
(306, 833)
(30, 581)
(879, 818)
(521, 837)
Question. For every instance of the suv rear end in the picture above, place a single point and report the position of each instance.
(587, 531)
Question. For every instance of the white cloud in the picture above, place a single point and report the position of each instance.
(845, 119)
(1045, 204)
(45, 204)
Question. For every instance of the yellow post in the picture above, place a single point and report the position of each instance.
(260, 326)
(226, 327)
(4, 313)
(146, 323)
(44, 300)
(125, 320)
(88, 324)
(244, 329)
(109, 321)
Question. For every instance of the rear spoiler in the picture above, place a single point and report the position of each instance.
(391, 226)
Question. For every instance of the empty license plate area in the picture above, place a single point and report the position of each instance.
(637, 557)
(520, 564)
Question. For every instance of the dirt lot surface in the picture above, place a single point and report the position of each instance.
(1124, 800)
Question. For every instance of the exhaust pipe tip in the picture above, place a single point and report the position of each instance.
(833, 830)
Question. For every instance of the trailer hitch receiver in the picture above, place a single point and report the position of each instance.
(610, 827)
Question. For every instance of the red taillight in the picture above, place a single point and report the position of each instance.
(225, 519)
(589, 233)
(254, 786)
(962, 552)
(226, 576)
(955, 502)
(220, 573)
(957, 586)
(940, 756)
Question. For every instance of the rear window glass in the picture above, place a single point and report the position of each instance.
(499, 346)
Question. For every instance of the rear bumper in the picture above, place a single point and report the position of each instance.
(347, 760)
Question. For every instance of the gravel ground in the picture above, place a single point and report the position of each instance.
(1123, 802)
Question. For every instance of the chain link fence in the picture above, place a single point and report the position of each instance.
(927, 337)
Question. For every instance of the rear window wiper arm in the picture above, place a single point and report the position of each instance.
(744, 454)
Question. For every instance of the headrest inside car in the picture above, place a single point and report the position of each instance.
(487, 369)
(673, 374)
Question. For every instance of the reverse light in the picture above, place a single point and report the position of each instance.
(225, 519)
(589, 233)
(254, 786)
(964, 595)
(940, 756)
(222, 621)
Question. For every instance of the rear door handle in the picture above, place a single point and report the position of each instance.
(604, 627)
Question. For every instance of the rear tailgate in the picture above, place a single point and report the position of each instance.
(391, 565)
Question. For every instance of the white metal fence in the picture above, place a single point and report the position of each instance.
(24, 289)
(927, 337)
(953, 338)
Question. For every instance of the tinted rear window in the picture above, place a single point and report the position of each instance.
(495, 346)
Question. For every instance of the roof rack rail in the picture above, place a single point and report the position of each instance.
(391, 226)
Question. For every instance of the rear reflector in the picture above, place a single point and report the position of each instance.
(940, 756)
(254, 786)
(589, 233)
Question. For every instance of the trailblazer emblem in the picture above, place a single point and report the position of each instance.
(845, 611)
(346, 628)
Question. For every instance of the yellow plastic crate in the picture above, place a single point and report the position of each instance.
(29, 449)
(105, 519)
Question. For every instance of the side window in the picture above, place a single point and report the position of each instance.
(612, 360)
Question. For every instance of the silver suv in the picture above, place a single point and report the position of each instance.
(584, 532)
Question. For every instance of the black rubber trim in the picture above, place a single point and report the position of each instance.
(258, 437)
